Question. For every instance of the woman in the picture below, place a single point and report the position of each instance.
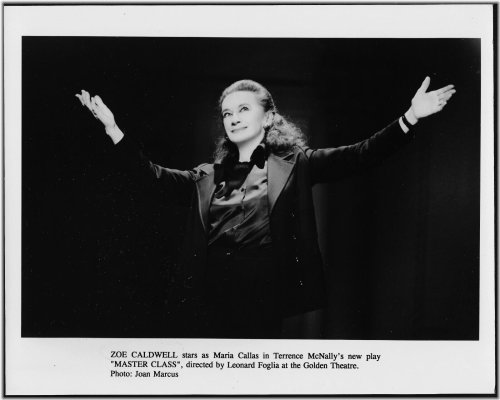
(251, 255)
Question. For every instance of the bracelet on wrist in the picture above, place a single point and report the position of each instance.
(405, 121)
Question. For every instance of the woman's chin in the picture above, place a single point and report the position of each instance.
(239, 139)
(243, 137)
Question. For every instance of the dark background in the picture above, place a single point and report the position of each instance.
(400, 242)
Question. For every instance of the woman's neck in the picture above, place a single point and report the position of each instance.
(246, 149)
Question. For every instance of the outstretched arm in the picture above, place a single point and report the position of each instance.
(334, 163)
(176, 184)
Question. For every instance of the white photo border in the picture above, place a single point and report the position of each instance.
(65, 366)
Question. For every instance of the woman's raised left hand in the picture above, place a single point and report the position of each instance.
(426, 103)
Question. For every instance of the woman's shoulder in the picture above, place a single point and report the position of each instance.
(302, 150)
(204, 169)
(294, 153)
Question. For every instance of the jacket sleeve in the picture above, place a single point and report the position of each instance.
(176, 184)
(330, 164)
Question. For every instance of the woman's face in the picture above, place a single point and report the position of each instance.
(243, 117)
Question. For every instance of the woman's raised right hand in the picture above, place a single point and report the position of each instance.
(101, 112)
(97, 108)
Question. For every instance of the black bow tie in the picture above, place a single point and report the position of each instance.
(230, 174)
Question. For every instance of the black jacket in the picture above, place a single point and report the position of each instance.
(292, 220)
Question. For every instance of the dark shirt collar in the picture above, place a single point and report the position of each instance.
(258, 157)
(234, 172)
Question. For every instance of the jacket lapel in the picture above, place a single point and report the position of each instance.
(205, 188)
(278, 172)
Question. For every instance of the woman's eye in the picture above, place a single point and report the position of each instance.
(244, 108)
(225, 115)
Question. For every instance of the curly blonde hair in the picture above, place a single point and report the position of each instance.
(280, 136)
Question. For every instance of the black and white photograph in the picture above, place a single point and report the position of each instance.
(221, 227)
(258, 204)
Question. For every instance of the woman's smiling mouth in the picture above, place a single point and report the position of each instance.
(236, 130)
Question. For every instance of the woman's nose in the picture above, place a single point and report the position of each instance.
(235, 119)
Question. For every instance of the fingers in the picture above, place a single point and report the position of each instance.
(94, 106)
(99, 103)
(86, 99)
(89, 102)
(446, 89)
(98, 100)
(425, 85)
(80, 98)
(445, 94)
(443, 100)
